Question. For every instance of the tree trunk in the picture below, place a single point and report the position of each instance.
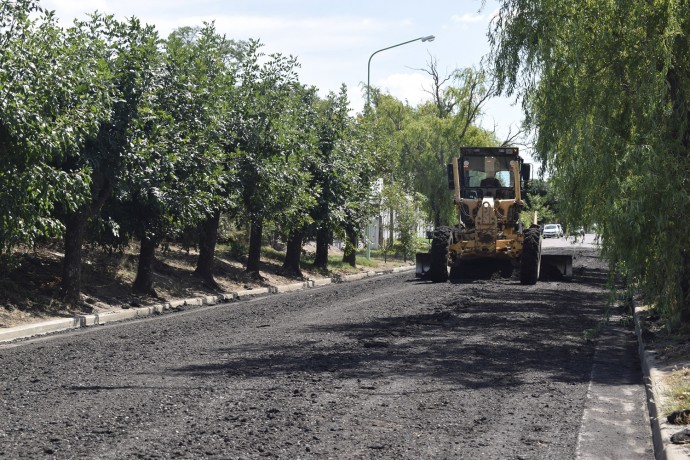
(380, 236)
(293, 253)
(255, 235)
(71, 268)
(143, 283)
(391, 229)
(685, 288)
(323, 237)
(74, 235)
(350, 254)
(208, 237)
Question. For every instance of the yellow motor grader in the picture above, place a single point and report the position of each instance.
(488, 183)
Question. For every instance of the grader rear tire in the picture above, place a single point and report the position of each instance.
(438, 270)
(531, 257)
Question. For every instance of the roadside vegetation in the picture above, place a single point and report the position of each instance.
(114, 139)
(678, 394)
(606, 91)
(29, 290)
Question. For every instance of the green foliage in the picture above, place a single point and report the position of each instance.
(266, 135)
(129, 56)
(174, 173)
(539, 204)
(416, 144)
(270, 253)
(148, 137)
(607, 87)
(336, 263)
(236, 239)
(408, 215)
(540, 197)
(53, 95)
(194, 98)
(342, 167)
(300, 192)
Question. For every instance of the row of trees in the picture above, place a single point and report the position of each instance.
(109, 133)
(606, 85)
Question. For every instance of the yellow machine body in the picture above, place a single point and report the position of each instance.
(489, 217)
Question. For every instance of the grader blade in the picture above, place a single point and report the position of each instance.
(553, 265)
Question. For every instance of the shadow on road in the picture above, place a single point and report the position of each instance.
(489, 334)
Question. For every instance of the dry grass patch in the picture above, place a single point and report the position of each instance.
(677, 392)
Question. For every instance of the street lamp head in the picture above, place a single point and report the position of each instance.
(428, 38)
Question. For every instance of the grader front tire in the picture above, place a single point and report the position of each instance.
(531, 257)
(438, 270)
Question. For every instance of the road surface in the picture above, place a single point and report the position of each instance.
(388, 367)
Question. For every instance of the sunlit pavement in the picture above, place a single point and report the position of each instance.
(588, 240)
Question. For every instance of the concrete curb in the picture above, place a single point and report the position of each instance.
(252, 292)
(45, 327)
(99, 319)
(662, 431)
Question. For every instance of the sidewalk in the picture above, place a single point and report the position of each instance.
(615, 420)
(654, 375)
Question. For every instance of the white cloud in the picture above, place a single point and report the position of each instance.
(314, 29)
(75, 9)
(408, 87)
(468, 18)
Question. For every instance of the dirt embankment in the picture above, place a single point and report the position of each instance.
(30, 291)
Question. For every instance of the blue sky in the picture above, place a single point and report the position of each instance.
(334, 39)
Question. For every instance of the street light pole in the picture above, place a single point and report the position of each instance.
(428, 38)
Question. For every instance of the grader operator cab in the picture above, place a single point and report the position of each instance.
(488, 183)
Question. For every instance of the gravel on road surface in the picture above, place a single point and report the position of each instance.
(389, 367)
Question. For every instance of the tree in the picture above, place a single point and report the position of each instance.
(417, 143)
(198, 91)
(329, 170)
(172, 172)
(124, 55)
(606, 87)
(447, 122)
(54, 92)
(295, 217)
(263, 136)
(179, 182)
(226, 199)
(536, 203)
(359, 169)
(540, 197)
(390, 120)
(407, 209)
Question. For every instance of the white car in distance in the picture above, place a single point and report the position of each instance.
(552, 231)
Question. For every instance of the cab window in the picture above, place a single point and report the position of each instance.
(476, 169)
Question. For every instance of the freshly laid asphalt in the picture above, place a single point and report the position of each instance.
(616, 423)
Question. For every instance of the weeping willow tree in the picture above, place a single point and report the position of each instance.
(606, 85)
